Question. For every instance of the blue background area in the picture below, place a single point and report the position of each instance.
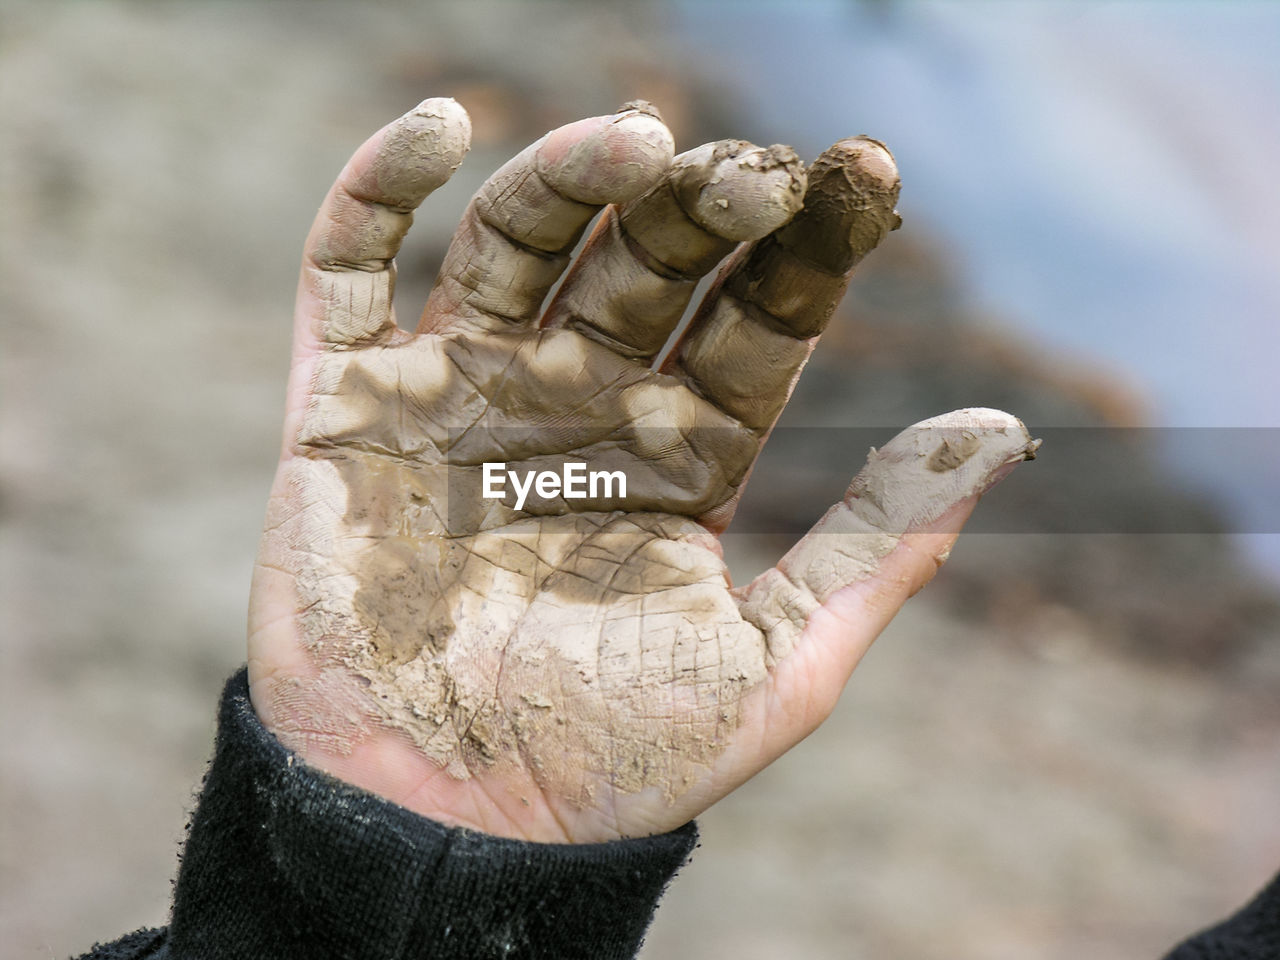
(1105, 174)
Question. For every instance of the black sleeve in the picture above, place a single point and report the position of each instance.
(284, 862)
(1252, 934)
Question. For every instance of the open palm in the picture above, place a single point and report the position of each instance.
(569, 662)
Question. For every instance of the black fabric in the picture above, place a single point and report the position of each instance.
(139, 945)
(283, 862)
(1252, 934)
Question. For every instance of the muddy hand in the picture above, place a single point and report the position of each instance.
(566, 659)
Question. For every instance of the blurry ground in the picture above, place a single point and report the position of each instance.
(1067, 747)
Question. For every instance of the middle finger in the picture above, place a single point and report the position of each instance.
(518, 231)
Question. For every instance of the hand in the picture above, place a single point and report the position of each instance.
(573, 669)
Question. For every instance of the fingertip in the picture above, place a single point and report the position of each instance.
(849, 207)
(609, 159)
(922, 479)
(737, 190)
(449, 122)
(413, 156)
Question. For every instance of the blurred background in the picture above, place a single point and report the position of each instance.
(1068, 746)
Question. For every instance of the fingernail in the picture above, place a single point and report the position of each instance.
(936, 464)
(640, 106)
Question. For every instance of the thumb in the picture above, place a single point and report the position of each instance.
(840, 585)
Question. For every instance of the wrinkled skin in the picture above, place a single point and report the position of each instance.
(578, 669)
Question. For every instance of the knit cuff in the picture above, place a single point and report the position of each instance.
(1251, 934)
(285, 861)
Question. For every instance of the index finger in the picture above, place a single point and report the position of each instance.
(344, 292)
